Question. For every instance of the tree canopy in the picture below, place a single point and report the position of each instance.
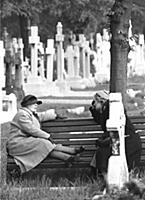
(79, 16)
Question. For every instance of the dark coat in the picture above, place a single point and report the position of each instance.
(132, 141)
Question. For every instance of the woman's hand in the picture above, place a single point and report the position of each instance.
(51, 140)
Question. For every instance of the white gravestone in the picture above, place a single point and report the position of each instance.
(82, 41)
(87, 73)
(20, 48)
(69, 55)
(41, 61)
(50, 58)
(60, 82)
(117, 166)
(60, 52)
(9, 107)
(76, 60)
(34, 41)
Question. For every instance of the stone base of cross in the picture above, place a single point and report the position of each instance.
(118, 173)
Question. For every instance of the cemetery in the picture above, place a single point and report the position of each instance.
(61, 76)
(21, 76)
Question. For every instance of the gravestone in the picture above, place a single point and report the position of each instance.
(35, 84)
(140, 67)
(76, 60)
(82, 41)
(103, 57)
(9, 107)
(59, 52)
(60, 82)
(117, 166)
(41, 72)
(50, 58)
(34, 40)
(69, 56)
(87, 73)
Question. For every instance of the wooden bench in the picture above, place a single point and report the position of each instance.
(82, 131)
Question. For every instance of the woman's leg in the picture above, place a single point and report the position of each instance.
(69, 150)
(66, 154)
(65, 149)
(59, 155)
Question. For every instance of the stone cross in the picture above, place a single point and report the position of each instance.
(76, 60)
(92, 41)
(34, 41)
(99, 52)
(41, 61)
(141, 51)
(118, 173)
(60, 52)
(87, 60)
(69, 55)
(20, 49)
(82, 41)
(50, 58)
(15, 45)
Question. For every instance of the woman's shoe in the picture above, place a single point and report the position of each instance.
(71, 160)
(79, 150)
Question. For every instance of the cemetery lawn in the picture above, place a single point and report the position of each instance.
(82, 187)
(135, 105)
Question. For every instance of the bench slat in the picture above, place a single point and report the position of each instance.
(82, 128)
(62, 129)
(83, 131)
(83, 121)
(75, 135)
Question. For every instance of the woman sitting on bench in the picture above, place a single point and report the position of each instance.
(100, 112)
(28, 144)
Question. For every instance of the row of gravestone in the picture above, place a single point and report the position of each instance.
(19, 70)
(12, 76)
(17, 73)
(78, 66)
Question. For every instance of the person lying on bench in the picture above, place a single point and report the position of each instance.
(100, 112)
(28, 144)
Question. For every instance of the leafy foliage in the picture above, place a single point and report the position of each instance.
(79, 16)
(21, 7)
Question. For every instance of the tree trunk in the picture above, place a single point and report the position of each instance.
(119, 25)
(24, 28)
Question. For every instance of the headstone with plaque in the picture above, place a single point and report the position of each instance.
(118, 173)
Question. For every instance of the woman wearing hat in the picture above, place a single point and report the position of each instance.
(28, 144)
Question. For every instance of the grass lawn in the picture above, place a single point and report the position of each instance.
(36, 188)
(135, 105)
